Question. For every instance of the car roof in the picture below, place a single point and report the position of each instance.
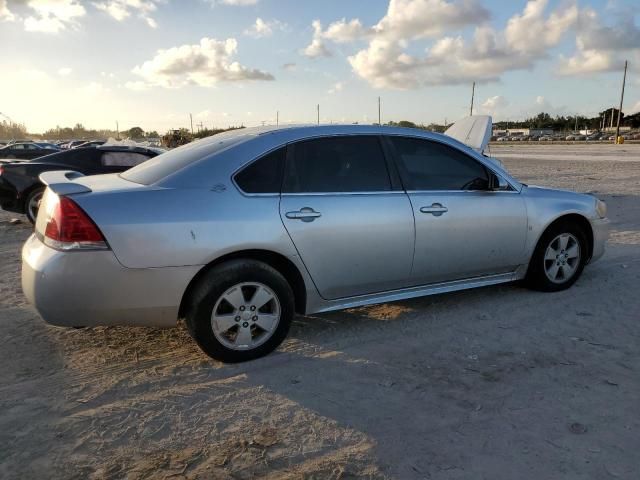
(299, 132)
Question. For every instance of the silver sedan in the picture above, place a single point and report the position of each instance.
(238, 232)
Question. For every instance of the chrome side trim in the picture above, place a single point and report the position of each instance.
(492, 192)
(320, 194)
(414, 292)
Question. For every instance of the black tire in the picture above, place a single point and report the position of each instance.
(537, 278)
(35, 193)
(210, 289)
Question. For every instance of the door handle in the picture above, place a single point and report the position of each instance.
(305, 214)
(437, 209)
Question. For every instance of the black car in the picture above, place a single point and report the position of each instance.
(25, 151)
(21, 189)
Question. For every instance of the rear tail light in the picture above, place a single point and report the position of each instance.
(70, 228)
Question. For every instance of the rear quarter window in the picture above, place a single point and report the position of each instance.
(263, 175)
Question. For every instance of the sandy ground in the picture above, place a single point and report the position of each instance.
(496, 383)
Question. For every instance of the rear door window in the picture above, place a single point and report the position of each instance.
(337, 165)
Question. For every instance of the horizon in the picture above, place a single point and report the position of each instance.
(238, 62)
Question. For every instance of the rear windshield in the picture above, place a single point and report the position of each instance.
(157, 168)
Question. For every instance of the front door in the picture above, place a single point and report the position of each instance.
(463, 228)
(354, 233)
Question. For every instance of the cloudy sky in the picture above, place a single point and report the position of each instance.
(152, 62)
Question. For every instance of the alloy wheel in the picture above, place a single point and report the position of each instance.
(245, 316)
(562, 258)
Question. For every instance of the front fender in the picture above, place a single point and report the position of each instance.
(545, 206)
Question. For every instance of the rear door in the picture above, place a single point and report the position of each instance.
(463, 228)
(352, 227)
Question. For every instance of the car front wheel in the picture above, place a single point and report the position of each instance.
(559, 258)
(240, 310)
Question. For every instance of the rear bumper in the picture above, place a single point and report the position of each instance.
(92, 288)
(600, 236)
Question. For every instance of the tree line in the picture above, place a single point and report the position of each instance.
(17, 131)
(566, 123)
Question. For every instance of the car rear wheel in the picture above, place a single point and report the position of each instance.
(32, 204)
(240, 310)
(559, 258)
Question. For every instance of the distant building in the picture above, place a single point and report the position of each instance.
(523, 132)
(613, 129)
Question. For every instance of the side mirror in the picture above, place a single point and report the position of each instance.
(498, 183)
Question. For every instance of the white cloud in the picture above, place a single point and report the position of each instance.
(123, 9)
(203, 114)
(64, 72)
(5, 14)
(495, 103)
(137, 86)
(601, 48)
(53, 16)
(526, 38)
(262, 28)
(205, 64)
(94, 89)
(544, 105)
(317, 47)
(344, 32)
(532, 33)
(636, 107)
(427, 18)
(338, 87)
(234, 3)
(290, 67)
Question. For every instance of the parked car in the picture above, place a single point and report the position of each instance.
(24, 151)
(91, 143)
(49, 145)
(238, 231)
(21, 189)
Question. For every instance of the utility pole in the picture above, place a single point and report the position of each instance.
(473, 94)
(117, 131)
(318, 108)
(277, 118)
(191, 120)
(624, 79)
(612, 109)
(576, 129)
(379, 111)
